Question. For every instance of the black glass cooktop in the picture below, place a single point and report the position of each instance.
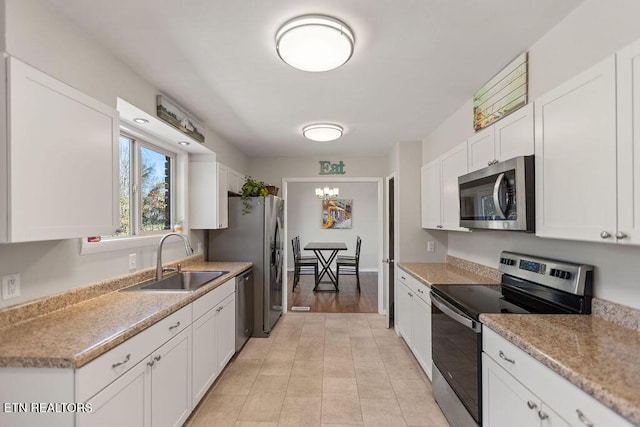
(476, 299)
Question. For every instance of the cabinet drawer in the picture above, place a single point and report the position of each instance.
(566, 399)
(213, 298)
(100, 372)
(417, 287)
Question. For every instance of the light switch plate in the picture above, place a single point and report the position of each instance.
(11, 286)
(431, 246)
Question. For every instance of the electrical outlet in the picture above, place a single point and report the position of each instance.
(132, 262)
(11, 286)
(199, 248)
(431, 246)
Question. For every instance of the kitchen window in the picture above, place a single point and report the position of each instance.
(151, 180)
(146, 188)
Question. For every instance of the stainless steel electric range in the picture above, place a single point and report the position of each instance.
(530, 284)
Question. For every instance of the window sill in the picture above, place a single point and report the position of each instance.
(111, 245)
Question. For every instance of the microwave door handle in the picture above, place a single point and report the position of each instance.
(454, 314)
(496, 197)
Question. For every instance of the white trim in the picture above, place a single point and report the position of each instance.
(386, 237)
(337, 178)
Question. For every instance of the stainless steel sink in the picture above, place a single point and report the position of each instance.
(184, 281)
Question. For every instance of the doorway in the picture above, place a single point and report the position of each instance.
(368, 222)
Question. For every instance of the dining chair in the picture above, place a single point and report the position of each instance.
(306, 265)
(350, 264)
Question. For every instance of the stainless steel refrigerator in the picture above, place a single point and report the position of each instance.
(255, 236)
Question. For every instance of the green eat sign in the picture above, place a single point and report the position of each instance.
(328, 168)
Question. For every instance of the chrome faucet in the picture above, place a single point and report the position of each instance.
(187, 247)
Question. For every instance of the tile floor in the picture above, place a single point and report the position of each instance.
(322, 369)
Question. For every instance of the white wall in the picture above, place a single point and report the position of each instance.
(591, 32)
(411, 239)
(304, 219)
(39, 36)
(273, 169)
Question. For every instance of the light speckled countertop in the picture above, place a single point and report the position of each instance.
(79, 333)
(447, 274)
(597, 355)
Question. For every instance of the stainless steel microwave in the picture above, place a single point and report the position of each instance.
(500, 196)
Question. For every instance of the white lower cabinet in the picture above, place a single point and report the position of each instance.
(413, 318)
(213, 337)
(517, 390)
(153, 379)
(156, 392)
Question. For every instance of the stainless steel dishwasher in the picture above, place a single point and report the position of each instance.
(244, 308)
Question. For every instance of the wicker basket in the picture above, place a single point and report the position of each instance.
(273, 190)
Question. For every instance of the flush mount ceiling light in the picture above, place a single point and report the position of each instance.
(314, 43)
(184, 142)
(141, 120)
(322, 132)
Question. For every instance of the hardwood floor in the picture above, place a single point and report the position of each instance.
(348, 300)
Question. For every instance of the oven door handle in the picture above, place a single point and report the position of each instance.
(455, 314)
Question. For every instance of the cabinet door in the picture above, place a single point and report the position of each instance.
(430, 200)
(122, 403)
(403, 311)
(203, 199)
(628, 68)
(506, 402)
(204, 357)
(481, 149)
(575, 156)
(514, 134)
(421, 327)
(225, 331)
(223, 198)
(63, 153)
(453, 164)
(171, 381)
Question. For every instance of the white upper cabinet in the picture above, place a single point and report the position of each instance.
(575, 156)
(235, 181)
(440, 196)
(507, 138)
(430, 201)
(628, 68)
(58, 160)
(208, 199)
(452, 165)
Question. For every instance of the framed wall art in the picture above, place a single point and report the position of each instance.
(172, 114)
(336, 213)
(501, 95)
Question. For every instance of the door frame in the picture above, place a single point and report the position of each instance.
(338, 179)
(388, 286)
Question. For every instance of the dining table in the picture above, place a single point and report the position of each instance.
(326, 252)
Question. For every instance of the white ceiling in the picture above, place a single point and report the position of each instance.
(415, 62)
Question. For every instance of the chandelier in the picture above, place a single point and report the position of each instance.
(327, 193)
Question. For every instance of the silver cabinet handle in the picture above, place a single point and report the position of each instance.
(542, 415)
(410, 294)
(489, 162)
(421, 291)
(150, 363)
(605, 235)
(157, 358)
(126, 359)
(620, 235)
(171, 328)
(504, 357)
(531, 405)
(219, 309)
(439, 226)
(403, 278)
(583, 419)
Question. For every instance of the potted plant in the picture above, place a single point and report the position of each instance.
(252, 188)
